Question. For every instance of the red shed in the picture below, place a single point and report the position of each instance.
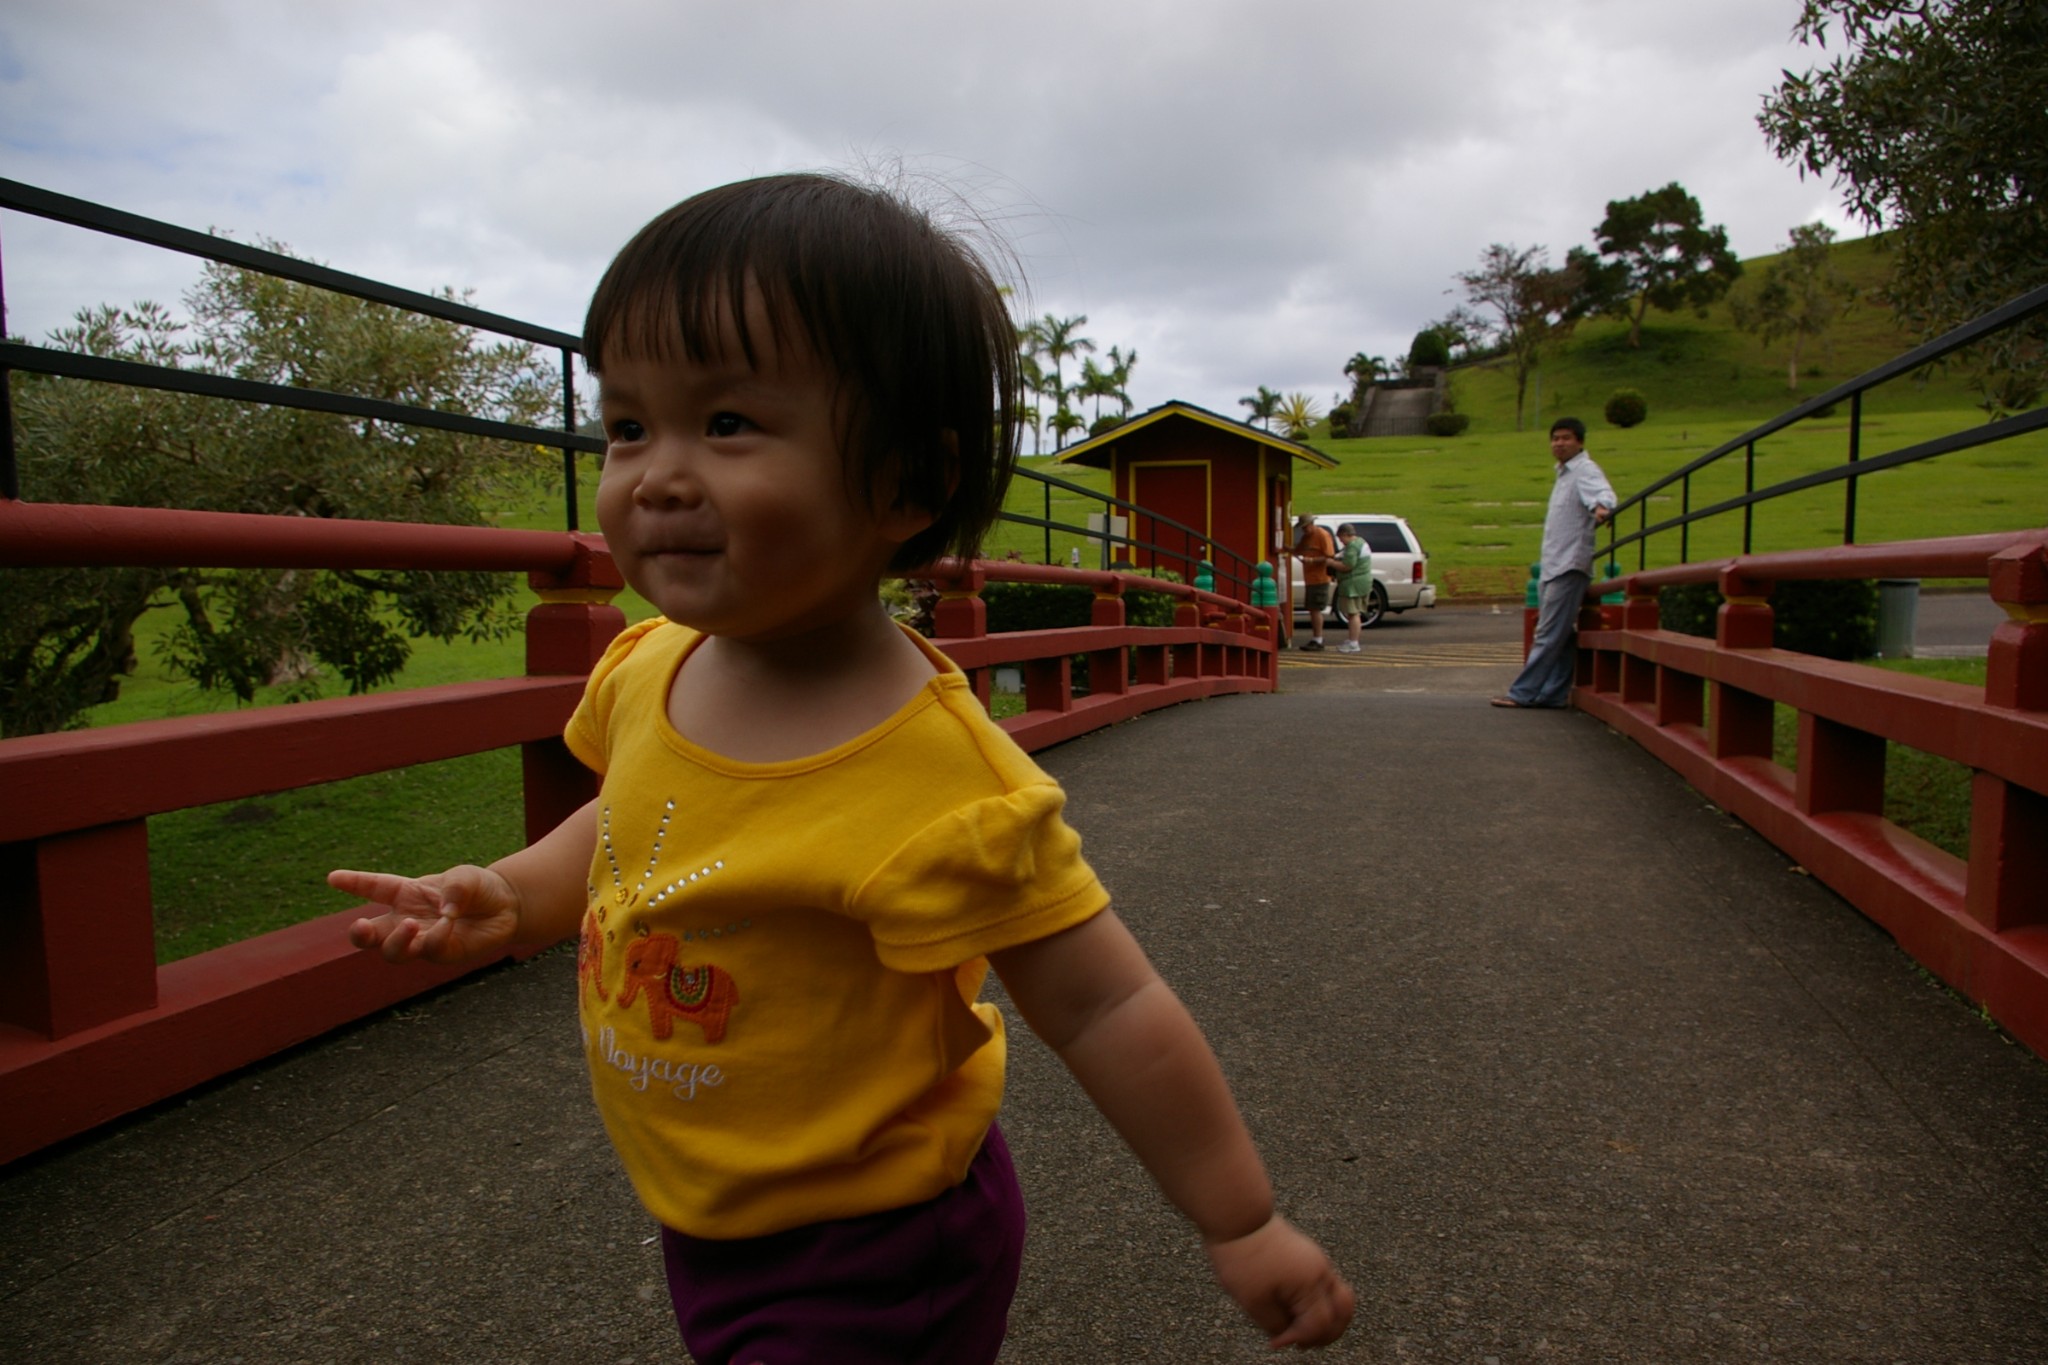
(1229, 481)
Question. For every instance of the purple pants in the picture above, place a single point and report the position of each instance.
(931, 1282)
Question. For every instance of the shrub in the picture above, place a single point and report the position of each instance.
(1626, 408)
(1446, 423)
(1829, 618)
(1689, 609)
(1429, 348)
(1052, 606)
(1109, 421)
(1340, 420)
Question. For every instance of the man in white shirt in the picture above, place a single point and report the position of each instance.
(1581, 501)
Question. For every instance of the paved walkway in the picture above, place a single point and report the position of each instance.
(1563, 1064)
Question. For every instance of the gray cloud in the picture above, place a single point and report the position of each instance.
(1246, 193)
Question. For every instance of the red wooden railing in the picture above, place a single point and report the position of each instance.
(1980, 923)
(92, 1028)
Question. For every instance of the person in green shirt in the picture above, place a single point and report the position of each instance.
(1352, 567)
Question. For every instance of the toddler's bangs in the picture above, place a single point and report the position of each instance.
(678, 290)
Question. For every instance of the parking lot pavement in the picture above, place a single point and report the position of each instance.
(1474, 649)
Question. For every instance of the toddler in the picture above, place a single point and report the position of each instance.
(811, 842)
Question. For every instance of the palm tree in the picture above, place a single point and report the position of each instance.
(1120, 367)
(1265, 405)
(1032, 380)
(1055, 396)
(1298, 415)
(1064, 421)
(1097, 383)
(1364, 369)
(1059, 343)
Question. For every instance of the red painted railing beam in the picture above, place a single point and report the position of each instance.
(51, 784)
(41, 534)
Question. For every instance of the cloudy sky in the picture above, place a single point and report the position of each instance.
(1247, 193)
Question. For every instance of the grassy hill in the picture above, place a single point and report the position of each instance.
(1701, 367)
(1477, 499)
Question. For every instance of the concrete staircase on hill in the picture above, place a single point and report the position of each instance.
(1398, 412)
(1402, 407)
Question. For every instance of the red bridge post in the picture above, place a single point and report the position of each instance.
(1741, 721)
(2008, 822)
(567, 633)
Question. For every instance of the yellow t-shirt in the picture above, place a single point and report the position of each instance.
(780, 961)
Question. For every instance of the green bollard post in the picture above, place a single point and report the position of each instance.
(1265, 588)
(1532, 595)
(1614, 599)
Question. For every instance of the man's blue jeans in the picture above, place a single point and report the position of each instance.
(1546, 679)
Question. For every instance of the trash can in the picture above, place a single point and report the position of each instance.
(1898, 602)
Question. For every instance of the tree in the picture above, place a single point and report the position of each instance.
(1031, 377)
(1799, 296)
(1297, 414)
(1363, 370)
(1464, 334)
(1096, 383)
(1062, 342)
(1264, 406)
(1066, 421)
(67, 636)
(1933, 119)
(1662, 256)
(1430, 349)
(1120, 366)
(1531, 303)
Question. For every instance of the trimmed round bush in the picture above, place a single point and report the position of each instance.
(1109, 421)
(1340, 420)
(1428, 348)
(1626, 408)
(1447, 423)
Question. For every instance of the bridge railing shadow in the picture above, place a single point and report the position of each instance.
(92, 1027)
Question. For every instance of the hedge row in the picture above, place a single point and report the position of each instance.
(1830, 618)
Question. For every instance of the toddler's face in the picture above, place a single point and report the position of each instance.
(724, 496)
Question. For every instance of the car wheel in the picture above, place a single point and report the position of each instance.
(1375, 608)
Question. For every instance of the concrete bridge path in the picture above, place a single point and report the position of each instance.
(1563, 1064)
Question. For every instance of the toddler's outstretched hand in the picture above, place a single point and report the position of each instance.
(1285, 1283)
(451, 916)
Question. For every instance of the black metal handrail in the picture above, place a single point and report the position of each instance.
(15, 355)
(1856, 466)
(83, 213)
(1196, 546)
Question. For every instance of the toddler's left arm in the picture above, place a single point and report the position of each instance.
(1095, 999)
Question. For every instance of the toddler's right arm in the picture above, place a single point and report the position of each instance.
(533, 896)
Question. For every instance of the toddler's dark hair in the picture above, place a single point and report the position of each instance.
(905, 314)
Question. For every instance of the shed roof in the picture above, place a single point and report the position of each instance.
(1094, 452)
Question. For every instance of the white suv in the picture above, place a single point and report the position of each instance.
(1400, 566)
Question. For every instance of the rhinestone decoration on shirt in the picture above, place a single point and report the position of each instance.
(627, 896)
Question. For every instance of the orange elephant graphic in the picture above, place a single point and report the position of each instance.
(703, 995)
(590, 951)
